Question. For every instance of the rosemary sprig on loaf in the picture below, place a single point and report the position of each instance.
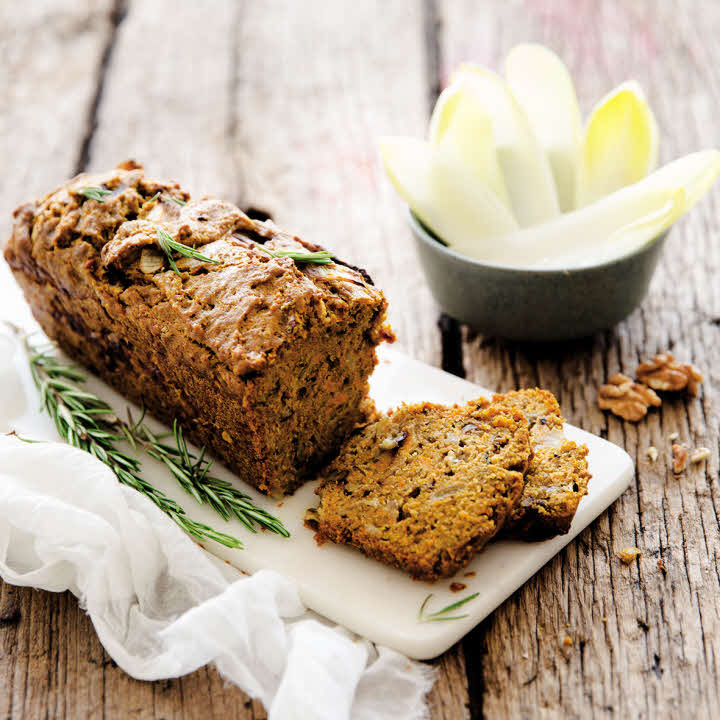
(169, 246)
(322, 257)
(95, 193)
(90, 424)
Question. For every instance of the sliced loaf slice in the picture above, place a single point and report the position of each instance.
(425, 487)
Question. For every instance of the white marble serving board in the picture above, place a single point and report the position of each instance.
(338, 582)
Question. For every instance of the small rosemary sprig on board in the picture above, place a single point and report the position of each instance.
(442, 615)
(169, 246)
(95, 193)
(89, 423)
(322, 257)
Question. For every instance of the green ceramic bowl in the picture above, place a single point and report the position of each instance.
(535, 305)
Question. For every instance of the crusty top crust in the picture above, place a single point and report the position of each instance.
(541, 409)
(425, 487)
(242, 309)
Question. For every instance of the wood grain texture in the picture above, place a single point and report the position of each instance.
(277, 106)
(644, 644)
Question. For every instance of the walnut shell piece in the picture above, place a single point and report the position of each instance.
(626, 398)
(680, 458)
(663, 372)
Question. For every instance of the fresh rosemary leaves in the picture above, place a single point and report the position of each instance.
(323, 257)
(165, 196)
(169, 246)
(191, 472)
(95, 193)
(442, 615)
(87, 422)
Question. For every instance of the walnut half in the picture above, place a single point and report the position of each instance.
(626, 398)
(663, 372)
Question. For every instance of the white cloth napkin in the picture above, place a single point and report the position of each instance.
(163, 607)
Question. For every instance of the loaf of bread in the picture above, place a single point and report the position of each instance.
(262, 359)
(426, 486)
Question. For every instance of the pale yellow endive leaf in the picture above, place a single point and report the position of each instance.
(620, 144)
(524, 165)
(445, 195)
(614, 225)
(461, 127)
(542, 85)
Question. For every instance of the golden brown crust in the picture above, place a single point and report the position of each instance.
(425, 487)
(557, 477)
(262, 359)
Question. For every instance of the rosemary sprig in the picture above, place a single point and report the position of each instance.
(160, 194)
(89, 423)
(322, 257)
(95, 193)
(169, 246)
(192, 474)
(442, 615)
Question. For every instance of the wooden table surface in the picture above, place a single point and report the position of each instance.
(277, 106)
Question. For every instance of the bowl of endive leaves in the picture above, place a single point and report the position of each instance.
(529, 223)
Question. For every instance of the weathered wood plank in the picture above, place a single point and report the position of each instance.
(644, 644)
(51, 53)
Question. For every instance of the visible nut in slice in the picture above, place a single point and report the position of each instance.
(151, 261)
(663, 372)
(626, 398)
(680, 457)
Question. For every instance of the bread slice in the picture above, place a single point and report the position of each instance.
(557, 476)
(425, 487)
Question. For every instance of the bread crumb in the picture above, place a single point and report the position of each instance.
(661, 566)
(699, 454)
(457, 587)
(225, 436)
(674, 436)
(680, 456)
(652, 453)
(567, 642)
(629, 554)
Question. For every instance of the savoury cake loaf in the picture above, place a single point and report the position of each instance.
(262, 359)
(557, 476)
(426, 486)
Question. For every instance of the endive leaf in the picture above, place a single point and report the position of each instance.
(524, 166)
(620, 144)
(542, 85)
(461, 128)
(444, 194)
(615, 224)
